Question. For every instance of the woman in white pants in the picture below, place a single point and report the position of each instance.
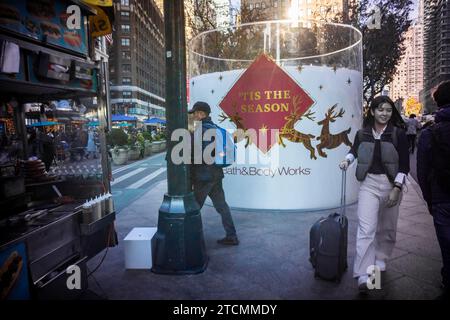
(381, 150)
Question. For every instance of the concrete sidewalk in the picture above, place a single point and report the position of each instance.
(272, 260)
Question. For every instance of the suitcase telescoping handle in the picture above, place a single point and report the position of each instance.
(343, 191)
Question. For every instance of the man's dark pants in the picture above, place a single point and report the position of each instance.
(412, 142)
(214, 190)
(441, 215)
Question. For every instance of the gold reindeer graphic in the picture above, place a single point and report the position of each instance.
(331, 141)
(238, 121)
(288, 132)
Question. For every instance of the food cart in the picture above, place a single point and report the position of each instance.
(57, 212)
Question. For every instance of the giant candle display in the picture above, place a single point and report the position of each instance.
(305, 112)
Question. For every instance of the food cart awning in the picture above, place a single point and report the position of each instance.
(120, 117)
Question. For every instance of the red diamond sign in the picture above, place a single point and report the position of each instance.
(265, 97)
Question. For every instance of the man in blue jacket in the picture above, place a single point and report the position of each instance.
(433, 172)
(207, 178)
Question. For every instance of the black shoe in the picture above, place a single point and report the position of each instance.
(230, 241)
(362, 285)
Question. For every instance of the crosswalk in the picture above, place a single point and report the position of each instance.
(139, 175)
(143, 162)
(134, 180)
(126, 176)
(138, 184)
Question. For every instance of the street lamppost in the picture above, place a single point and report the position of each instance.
(178, 246)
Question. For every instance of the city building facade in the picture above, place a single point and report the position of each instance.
(136, 62)
(436, 48)
(224, 13)
(408, 80)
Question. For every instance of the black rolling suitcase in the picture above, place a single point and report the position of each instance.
(328, 242)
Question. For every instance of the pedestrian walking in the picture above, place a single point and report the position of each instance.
(433, 173)
(48, 149)
(381, 150)
(33, 144)
(91, 148)
(207, 178)
(411, 132)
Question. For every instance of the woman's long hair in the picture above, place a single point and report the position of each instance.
(395, 120)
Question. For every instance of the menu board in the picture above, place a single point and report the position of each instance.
(44, 20)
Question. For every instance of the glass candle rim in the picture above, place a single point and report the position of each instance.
(285, 21)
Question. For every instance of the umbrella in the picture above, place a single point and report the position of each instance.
(63, 105)
(44, 123)
(93, 124)
(120, 117)
(123, 125)
(155, 121)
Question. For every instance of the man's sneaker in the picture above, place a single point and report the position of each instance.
(381, 264)
(362, 284)
(230, 241)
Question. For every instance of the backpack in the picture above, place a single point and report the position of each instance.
(225, 148)
(441, 155)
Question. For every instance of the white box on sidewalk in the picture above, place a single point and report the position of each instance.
(138, 248)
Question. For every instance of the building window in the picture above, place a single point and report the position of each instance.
(126, 94)
(125, 2)
(126, 55)
(125, 27)
(126, 67)
(125, 14)
(126, 80)
(125, 42)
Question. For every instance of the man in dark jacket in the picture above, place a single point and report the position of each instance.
(433, 172)
(207, 178)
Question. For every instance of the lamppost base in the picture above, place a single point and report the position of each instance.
(178, 247)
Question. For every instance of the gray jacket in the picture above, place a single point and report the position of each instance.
(393, 153)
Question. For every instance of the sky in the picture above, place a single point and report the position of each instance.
(415, 13)
(235, 3)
